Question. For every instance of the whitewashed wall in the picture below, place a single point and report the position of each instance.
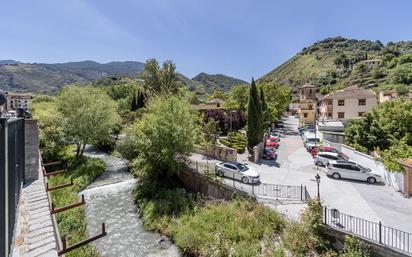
(396, 180)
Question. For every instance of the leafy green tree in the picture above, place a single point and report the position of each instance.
(159, 80)
(277, 99)
(218, 94)
(353, 247)
(51, 131)
(254, 118)
(210, 131)
(238, 97)
(164, 137)
(401, 74)
(88, 115)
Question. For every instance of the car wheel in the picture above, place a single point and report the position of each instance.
(245, 180)
(336, 176)
(220, 173)
(319, 163)
(371, 180)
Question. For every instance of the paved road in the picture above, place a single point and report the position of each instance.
(295, 167)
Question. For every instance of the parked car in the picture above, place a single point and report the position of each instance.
(270, 154)
(237, 171)
(281, 131)
(350, 170)
(272, 142)
(315, 151)
(322, 158)
(275, 135)
(311, 142)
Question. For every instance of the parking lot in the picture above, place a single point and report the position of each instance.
(295, 167)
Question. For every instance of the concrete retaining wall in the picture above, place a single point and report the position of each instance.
(396, 180)
(218, 152)
(337, 238)
(214, 189)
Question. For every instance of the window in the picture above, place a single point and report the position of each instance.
(362, 101)
(305, 115)
(360, 114)
(341, 115)
(341, 102)
(229, 166)
(310, 107)
(329, 102)
(329, 115)
(310, 91)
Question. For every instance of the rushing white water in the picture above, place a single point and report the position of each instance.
(109, 199)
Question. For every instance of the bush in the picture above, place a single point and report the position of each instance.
(354, 248)
(238, 142)
(305, 238)
(73, 222)
(236, 228)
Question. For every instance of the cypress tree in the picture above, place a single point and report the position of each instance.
(140, 99)
(265, 112)
(134, 103)
(254, 118)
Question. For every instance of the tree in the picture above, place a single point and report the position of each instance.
(265, 111)
(164, 137)
(51, 131)
(401, 74)
(210, 131)
(133, 108)
(254, 118)
(238, 97)
(160, 80)
(277, 99)
(218, 94)
(88, 115)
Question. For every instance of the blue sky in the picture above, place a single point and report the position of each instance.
(241, 38)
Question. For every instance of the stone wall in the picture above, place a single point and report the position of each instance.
(218, 152)
(337, 238)
(31, 147)
(214, 189)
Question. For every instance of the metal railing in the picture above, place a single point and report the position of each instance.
(11, 178)
(257, 190)
(374, 231)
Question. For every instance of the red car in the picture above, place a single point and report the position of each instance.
(272, 142)
(315, 150)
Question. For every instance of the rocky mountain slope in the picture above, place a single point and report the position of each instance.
(338, 62)
(217, 81)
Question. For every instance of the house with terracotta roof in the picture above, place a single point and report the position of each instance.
(349, 103)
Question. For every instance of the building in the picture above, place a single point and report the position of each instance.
(307, 104)
(18, 100)
(349, 103)
(389, 95)
(293, 108)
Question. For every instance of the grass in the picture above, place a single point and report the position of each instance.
(73, 222)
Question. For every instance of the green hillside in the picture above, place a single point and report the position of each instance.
(217, 82)
(338, 62)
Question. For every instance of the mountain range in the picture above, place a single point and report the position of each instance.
(48, 78)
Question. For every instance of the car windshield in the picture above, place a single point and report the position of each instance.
(313, 140)
(241, 167)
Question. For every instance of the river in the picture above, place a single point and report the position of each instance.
(109, 199)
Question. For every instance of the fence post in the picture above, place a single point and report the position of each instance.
(197, 168)
(380, 232)
(325, 215)
(253, 189)
(301, 192)
(233, 179)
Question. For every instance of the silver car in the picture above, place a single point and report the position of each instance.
(351, 170)
(237, 171)
(322, 158)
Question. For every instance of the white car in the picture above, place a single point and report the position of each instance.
(322, 158)
(238, 171)
(351, 170)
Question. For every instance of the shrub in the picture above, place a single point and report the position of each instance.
(353, 247)
(236, 228)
